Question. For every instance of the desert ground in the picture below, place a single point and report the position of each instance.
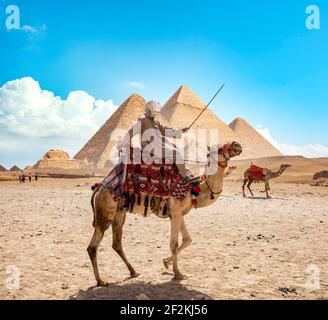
(243, 248)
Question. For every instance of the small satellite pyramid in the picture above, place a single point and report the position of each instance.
(254, 144)
(3, 169)
(59, 159)
(96, 153)
(15, 169)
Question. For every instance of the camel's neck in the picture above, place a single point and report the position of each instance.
(214, 184)
(277, 173)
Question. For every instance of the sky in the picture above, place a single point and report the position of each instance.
(71, 63)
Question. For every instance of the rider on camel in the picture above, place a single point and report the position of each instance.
(149, 128)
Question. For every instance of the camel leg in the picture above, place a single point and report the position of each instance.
(176, 223)
(249, 187)
(267, 187)
(245, 181)
(186, 241)
(93, 250)
(117, 228)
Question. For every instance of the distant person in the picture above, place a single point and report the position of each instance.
(36, 176)
(30, 177)
(23, 178)
(20, 179)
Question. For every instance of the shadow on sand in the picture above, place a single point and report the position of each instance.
(259, 198)
(121, 291)
(265, 198)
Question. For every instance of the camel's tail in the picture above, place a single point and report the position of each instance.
(96, 190)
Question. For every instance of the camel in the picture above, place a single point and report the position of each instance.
(267, 175)
(107, 213)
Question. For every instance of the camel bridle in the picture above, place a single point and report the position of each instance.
(228, 151)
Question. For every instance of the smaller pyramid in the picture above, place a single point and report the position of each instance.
(253, 143)
(3, 169)
(59, 159)
(15, 169)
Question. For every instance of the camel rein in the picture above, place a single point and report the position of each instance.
(222, 164)
(212, 192)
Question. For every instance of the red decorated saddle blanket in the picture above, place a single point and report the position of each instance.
(154, 180)
(256, 173)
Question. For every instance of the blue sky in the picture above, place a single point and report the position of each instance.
(275, 69)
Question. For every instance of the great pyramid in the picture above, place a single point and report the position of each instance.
(96, 153)
(184, 107)
(254, 144)
(3, 169)
(15, 169)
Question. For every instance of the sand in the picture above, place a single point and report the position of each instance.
(243, 248)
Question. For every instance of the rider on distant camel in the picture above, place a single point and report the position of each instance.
(159, 141)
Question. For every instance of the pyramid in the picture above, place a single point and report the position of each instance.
(15, 169)
(57, 159)
(3, 169)
(254, 144)
(184, 107)
(96, 153)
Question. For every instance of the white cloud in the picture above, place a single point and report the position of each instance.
(132, 84)
(309, 151)
(27, 110)
(34, 32)
(32, 117)
(28, 28)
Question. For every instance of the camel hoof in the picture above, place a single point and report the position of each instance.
(167, 263)
(102, 284)
(179, 277)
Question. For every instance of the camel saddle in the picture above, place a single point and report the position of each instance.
(256, 173)
(153, 180)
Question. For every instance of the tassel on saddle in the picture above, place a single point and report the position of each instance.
(165, 210)
(126, 203)
(132, 202)
(146, 204)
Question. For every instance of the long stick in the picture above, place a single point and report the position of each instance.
(207, 106)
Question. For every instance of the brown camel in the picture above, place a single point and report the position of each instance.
(107, 212)
(267, 175)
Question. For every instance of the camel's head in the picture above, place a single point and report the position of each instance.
(285, 166)
(235, 149)
(222, 155)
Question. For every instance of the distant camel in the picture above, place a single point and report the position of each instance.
(261, 175)
(321, 175)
